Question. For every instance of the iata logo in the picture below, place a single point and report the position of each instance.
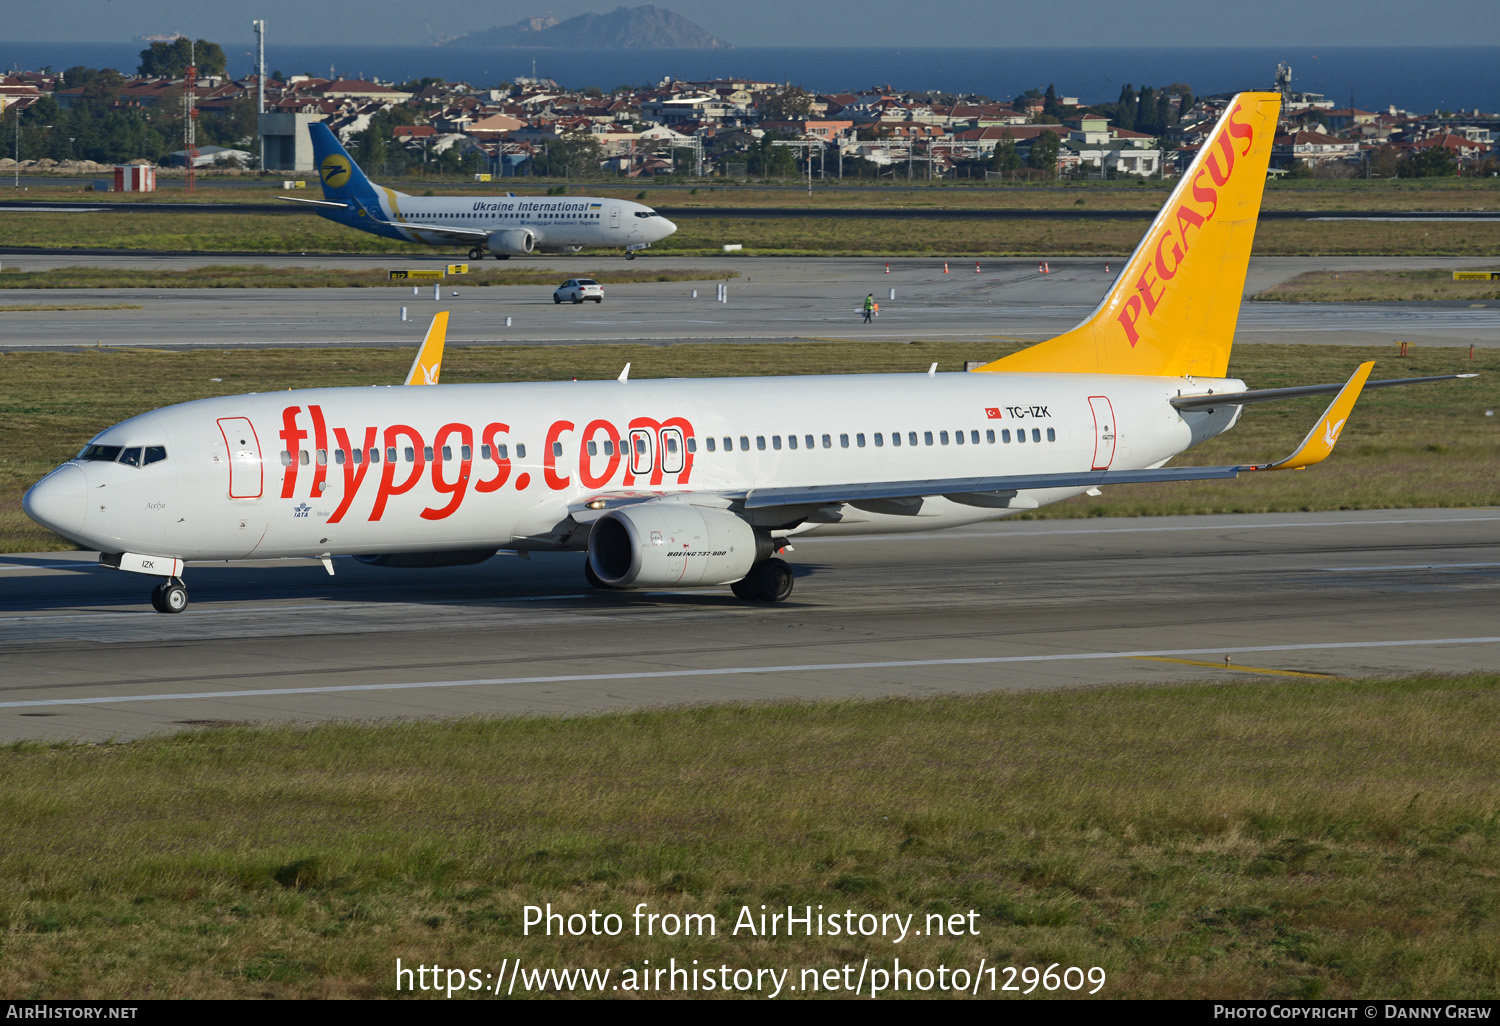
(301, 511)
(335, 171)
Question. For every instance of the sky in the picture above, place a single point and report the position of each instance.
(799, 22)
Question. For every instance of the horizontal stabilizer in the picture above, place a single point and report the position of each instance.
(314, 203)
(1266, 395)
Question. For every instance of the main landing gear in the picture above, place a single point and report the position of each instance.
(476, 253)
(170, 596)
(770, 580)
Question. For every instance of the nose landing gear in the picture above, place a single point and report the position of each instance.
(170, 596)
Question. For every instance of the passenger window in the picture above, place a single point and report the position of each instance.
(466, 452)
(895, 438)
(911, 438)
(609, 447)
(974, 436)
(879, 440)
(410, 454)
(390, 454)
(304, 457)
(692, 445)
(131, 457)
(728, 444)
(671, 444)
(520, 450)
(859, 440)
(374, 455)
(1005, 435)
(791, 441)
(1036, 434)
(322, 457)
(843, 441)
(593, 448)
(339, 457)
(1051, 434)
(989, 436)
(958, 436)
(776, 442)
(710, 443)
(484, 452)
(286, 458)
(1020, 434)
(557, 448)
(828, 441)
(809, 440)
(155, 454)
(943, 437)
(744, 443)
(760, 442)
(427, 453)
(927, 437)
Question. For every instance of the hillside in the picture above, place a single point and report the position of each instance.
(625, 28)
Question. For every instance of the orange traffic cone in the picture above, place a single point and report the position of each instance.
(1046, 267)
(945, 267)
(976, 267)
(1106, 268)
(1039, 267)
(887, 268)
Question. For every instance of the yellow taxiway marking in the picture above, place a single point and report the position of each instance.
(1236, 669)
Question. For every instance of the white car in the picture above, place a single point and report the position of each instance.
(576, 290)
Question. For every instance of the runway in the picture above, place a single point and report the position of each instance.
(772, 299)
(1006, 605)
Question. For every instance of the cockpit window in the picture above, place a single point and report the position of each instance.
(134, 456)
(155, 454)
(131, 457)
(103, 453)
(646, 213)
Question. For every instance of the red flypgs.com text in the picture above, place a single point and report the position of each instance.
(1172, 245)
(644, 458)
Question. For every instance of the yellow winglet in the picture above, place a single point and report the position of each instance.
(429, 362)
(1325, 433)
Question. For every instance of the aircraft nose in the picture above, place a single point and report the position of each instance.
(58, 500)
(668, 227)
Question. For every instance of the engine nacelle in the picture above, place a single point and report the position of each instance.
(668, 544)
(512, 242)
(424, 560)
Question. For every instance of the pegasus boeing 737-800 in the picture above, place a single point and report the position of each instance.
(677, 483)
(504, 226)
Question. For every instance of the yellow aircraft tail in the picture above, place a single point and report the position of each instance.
(1173, 309)
(428, 366)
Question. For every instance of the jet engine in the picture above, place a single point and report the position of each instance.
(668, 544)
(424, 560)
(512, 242)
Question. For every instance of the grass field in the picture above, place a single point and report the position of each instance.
(1264, 838)
(1429, 445)
(255, 276)
(1381, 287)
(816, 236)
(1313, 196)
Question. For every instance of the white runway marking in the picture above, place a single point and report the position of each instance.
(1404, 566)
(739, 671)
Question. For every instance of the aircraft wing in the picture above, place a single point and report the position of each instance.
(445, 230)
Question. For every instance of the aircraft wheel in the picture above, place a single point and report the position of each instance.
(770, 580)
(476, 253)
(629, 256)
(170, 596)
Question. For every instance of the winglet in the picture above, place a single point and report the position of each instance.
(429, 362)
(1325, 433)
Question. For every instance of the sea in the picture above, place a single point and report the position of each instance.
(1417, 79)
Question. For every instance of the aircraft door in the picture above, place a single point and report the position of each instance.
(614, 216)
(1105, 431)
(642, 456)
(246, 471)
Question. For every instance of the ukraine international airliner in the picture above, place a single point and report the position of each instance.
(504, 226)
(678, 483)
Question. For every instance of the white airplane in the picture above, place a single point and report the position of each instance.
(677, 483)
(504, 226)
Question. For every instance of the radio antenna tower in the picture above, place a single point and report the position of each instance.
(260, 85)
(190, 118)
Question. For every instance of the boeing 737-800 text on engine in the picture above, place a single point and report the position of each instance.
(672, 483)
(504, 226)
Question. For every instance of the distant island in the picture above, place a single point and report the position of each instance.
(625, 28)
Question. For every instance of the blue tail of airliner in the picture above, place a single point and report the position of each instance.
(343, 181)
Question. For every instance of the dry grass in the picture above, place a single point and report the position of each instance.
(1271, 839)
(1380, 287)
